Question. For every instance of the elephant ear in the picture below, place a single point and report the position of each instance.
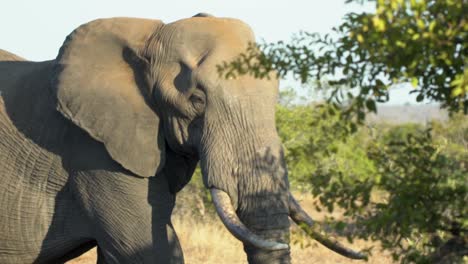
(101, 87)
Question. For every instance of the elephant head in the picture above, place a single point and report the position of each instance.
(151, 93)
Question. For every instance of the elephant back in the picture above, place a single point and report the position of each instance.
(27, 108)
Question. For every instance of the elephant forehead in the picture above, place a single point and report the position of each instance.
(197, 36)
(213, 28)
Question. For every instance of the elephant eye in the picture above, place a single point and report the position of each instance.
(198, 100)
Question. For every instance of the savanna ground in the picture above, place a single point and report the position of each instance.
(205, 240)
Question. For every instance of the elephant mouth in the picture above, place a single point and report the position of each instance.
(228, 216)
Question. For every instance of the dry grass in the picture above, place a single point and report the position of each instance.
(209, 242)
(87, 258)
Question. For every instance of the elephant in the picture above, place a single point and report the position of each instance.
(96, 143)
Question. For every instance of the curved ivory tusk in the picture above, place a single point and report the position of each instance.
(307, 224)
(228, 216)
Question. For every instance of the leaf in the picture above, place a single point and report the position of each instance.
(460, 84)
(360, 38)
(400, 44)
(420, 23)
(379, 24)
(432, 25)
(370, 104)
(459, 90)
(420, 97)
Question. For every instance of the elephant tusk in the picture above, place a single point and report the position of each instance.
(302, 219)
(228, 216)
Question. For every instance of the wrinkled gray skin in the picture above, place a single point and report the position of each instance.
(95, 144)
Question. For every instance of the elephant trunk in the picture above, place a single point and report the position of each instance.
(243, 165)
(232, 222)
(259, 217)
(260, 256)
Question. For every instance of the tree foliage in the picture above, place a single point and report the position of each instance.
(422, 42)
(403, 185)
(423, 215)
(316, 139)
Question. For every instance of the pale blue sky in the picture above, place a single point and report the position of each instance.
(36, 29)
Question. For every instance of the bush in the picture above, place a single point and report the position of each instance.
(403, 185)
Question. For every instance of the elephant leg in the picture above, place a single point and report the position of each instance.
(176, 255)
(131, 217)
(100, 257)
(165, 249)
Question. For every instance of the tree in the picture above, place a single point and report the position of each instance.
(403, 185)
(422, 42)
(420, 173)
(421, 215)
